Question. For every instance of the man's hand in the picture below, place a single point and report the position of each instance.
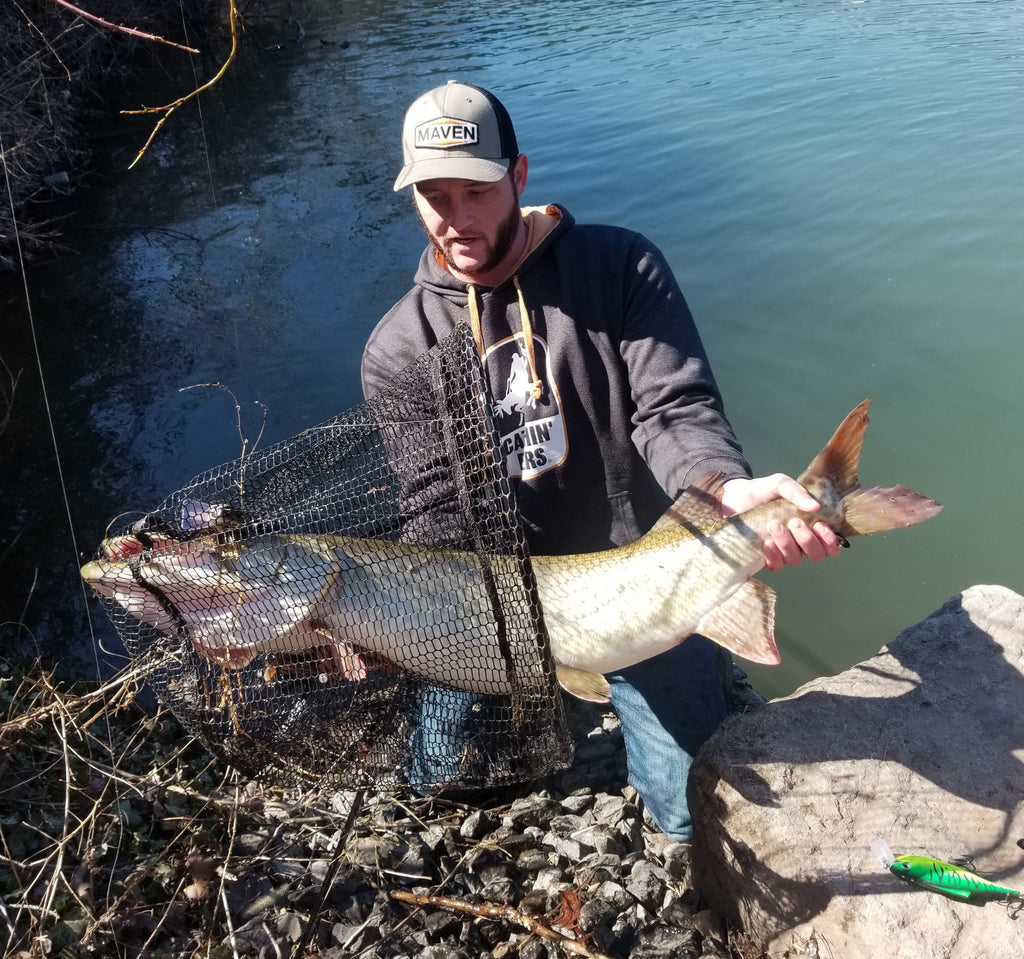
(786, 545)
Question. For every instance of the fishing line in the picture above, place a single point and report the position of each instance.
(42, 383)
(60, 467)
(199, 101)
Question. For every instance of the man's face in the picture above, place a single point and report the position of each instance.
(477, 227)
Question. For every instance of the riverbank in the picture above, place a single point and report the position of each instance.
(58, 67)
(122, 838)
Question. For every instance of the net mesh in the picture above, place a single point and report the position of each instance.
(354, 606)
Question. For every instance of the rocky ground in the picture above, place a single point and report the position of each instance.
(118, 839)
(570, 868)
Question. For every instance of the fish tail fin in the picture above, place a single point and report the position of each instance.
(875, 509)
(849, 508)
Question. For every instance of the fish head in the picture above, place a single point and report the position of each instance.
(114, 578)
(158, 579)
(916, 868)
(234, 598)
(904, 869)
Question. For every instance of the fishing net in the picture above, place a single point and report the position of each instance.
(354, 606)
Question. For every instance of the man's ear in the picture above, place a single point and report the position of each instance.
(519, 172)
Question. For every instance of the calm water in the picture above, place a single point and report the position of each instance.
(838, 185)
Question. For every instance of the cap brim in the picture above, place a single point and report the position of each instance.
(458, 168)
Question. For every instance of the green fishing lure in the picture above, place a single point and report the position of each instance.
(945, 877)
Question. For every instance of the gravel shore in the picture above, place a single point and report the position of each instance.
(571, 867)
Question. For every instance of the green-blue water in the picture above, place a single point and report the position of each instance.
(838, 186)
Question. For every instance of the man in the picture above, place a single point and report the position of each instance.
(603, 396)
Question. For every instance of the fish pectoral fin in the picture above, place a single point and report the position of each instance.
(592, 687)
(227, 655)
(344, 658)
(745, 623)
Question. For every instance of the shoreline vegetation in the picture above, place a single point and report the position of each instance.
(59, 62)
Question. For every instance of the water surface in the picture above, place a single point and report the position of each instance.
(838, 186)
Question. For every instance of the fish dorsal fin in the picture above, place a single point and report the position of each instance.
(745, 623)
(697, 505)
(839, 460)
(592, 687)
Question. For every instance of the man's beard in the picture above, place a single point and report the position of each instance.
(503, 241)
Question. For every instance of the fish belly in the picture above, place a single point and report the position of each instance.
(623, 606)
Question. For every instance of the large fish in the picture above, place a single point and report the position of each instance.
(376, 602)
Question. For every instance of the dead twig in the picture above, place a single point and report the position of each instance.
(120, 27)
(8, 387)
(537, 925)
(243, 439)
(332, 870)
(225, 874)
(120, 690)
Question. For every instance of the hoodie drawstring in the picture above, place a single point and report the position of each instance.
(474, 319)
(536, 384)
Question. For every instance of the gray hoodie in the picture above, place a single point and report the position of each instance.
(626, 413)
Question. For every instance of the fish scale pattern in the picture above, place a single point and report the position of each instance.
(354, 606)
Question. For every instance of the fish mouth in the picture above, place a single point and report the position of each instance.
(114, 566)
(98, 575)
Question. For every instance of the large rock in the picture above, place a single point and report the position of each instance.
(923, 746)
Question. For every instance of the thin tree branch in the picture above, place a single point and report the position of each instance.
(120, 27)
(169, 108)
(537, 925)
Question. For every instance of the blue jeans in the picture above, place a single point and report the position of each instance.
(668, 707)
(444, 724)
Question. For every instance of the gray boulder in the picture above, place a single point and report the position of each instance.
(922, 746)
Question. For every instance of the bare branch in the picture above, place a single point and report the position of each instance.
(169, 108)
(537, 925)
(119, 690)
(120, 27)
